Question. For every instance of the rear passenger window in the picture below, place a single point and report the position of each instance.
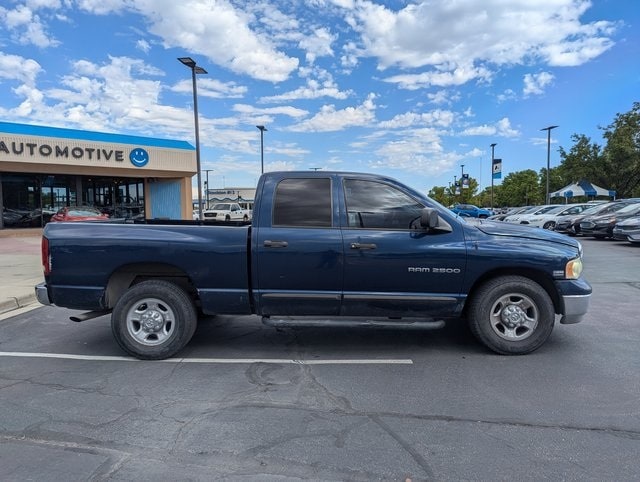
(303, 203)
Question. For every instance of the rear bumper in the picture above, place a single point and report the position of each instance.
(42, 294)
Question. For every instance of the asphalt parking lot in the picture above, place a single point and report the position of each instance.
(251, 402)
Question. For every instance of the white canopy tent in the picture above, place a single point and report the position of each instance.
(582, 188)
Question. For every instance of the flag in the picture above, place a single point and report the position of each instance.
(497, 168)
(465, 181)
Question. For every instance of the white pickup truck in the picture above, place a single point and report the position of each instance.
(226, 212)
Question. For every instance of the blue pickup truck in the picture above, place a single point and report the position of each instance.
(323, 245)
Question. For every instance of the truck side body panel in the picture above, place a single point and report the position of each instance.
(85, 256)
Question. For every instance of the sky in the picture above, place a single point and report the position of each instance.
(416, 90)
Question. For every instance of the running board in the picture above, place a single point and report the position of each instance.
(89, 315)
(420, 324)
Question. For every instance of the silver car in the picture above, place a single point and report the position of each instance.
(628, 230)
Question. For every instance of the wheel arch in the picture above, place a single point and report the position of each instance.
(539, 277)
(128, 275)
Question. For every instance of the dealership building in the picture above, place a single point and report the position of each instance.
(45, 168)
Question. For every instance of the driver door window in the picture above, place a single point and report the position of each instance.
(374, 205)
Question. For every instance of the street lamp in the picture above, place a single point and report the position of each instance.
(262, 129)
(196, 69)
(548, 129)
(493, 146)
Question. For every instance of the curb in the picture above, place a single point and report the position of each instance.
(14, 303)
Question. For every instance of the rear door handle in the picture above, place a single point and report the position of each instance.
(275, 244)
(363, 246)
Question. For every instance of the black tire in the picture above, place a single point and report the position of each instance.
(227, 218)
(511, 315)
(549, 225)
(154, 320)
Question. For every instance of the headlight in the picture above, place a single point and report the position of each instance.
(573, 269)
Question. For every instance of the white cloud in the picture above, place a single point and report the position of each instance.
(14, 67)
(446, 37)
(26, 26)
(212, 88)
(282, 110)
(330, 119)
(319, 84)
(143, 45)
(219, 32)
(501, 128)
(508, 94)
(318, 44)
(535, 83)
(436, 118)
(440, 78)
(443, 97)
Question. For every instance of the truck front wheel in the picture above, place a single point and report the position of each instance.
(153, 320)
(511, 315)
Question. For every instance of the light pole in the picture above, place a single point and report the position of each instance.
(548, 129)
(206, 191)
(196, 69)
(493, 146)
(262, 129)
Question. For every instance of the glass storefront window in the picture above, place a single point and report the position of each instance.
(30, 200)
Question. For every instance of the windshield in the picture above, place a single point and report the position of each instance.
(596, 209)
(555, 210)
(220, 207)
(83, 212)
(631, 208)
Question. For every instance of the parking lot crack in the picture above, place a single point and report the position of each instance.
(415, 455)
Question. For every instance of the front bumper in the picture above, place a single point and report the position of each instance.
(575, 296)
(575, 307)
(42, 294)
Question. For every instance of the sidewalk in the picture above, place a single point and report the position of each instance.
(20, 267)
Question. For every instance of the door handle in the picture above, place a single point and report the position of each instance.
(363, 246)
(275, 244)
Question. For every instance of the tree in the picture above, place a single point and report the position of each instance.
(518, 189)
(556, 181)
(440, 194)
(622, 153)
(583, 161)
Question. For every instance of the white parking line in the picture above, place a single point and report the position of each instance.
(66, 356)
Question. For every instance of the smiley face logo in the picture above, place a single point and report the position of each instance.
(139, 157)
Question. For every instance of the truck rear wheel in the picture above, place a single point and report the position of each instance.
(153, 320)
(511, 315)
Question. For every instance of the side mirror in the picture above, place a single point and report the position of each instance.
(429, 218)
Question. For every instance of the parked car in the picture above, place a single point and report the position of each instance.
(571, 224)
(471, 211)
(523, 217)
(549, 219)
(508, 212)
(628, 230)
(226, 212)
(10, 217)
(79, 213)
(35, 218)
(601, 226)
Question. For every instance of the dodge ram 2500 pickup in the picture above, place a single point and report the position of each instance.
(330, 245)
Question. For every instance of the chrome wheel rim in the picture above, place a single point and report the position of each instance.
(514, 317)
(150, 321)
